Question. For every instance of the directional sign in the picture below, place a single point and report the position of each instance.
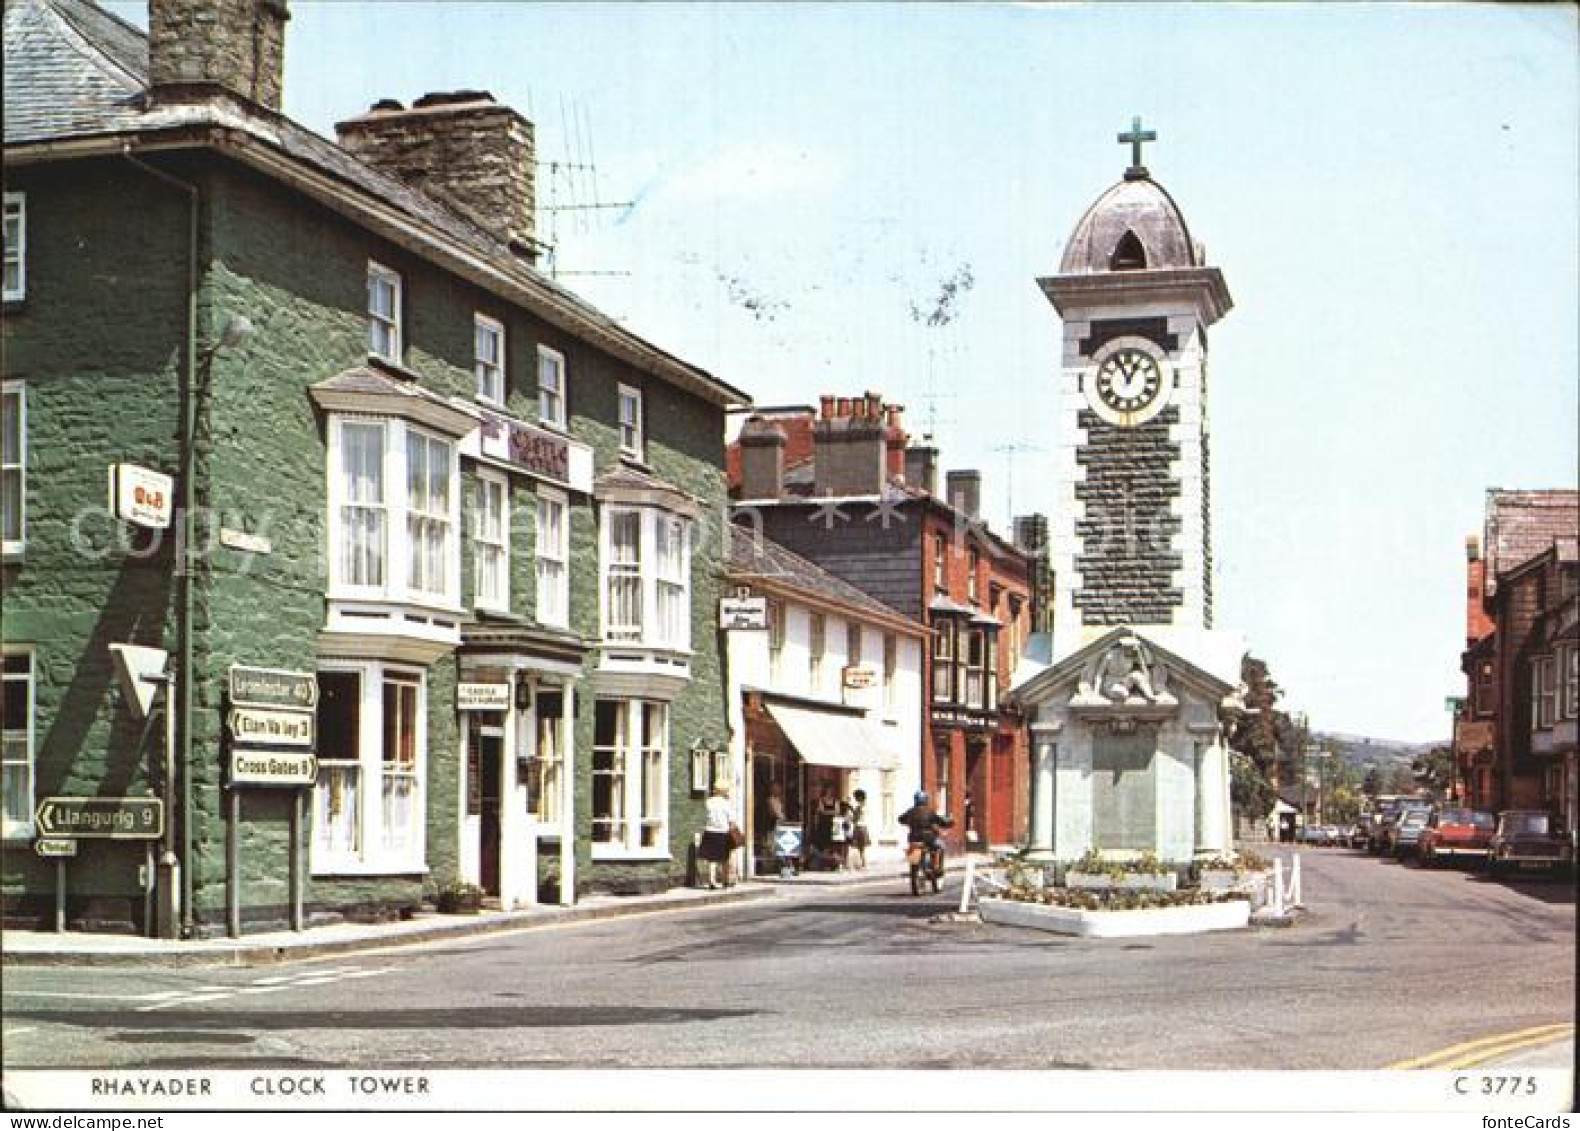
(257, 727)
(273, 767)
(102, 818)
(56, 847)
(272, 687)
(743, 613)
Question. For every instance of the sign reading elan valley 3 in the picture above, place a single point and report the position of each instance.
(272, 687)
(253, 726)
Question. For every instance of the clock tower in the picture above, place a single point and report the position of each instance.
(1132, 537)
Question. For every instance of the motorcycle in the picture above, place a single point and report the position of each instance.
(926, 865)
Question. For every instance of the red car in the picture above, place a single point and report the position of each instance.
(1454, 833)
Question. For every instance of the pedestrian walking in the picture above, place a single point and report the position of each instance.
(860, 838)
(719, 836)
(824, 813)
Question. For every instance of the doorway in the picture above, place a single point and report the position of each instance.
(489, 746)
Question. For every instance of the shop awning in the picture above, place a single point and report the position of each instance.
(825, 738)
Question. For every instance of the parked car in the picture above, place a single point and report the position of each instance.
(1357, 832)
(1529, 839)
(1405, 833)
(1456, 834)
(1381, 836)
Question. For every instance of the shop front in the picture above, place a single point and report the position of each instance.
(517, 697)
(807, 760)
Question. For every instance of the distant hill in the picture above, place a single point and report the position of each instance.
(1361, 750)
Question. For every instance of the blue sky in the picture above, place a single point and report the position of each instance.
(1389, 190)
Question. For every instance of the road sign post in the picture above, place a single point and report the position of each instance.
(101, 818)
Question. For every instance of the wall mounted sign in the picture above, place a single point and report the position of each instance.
(859, 677)
(54, 847)
(257, 726)
(247, 543)
(273, 767)
(482, 696)
(272, 687)
(140, 496)
(743, 613)
(102, 818)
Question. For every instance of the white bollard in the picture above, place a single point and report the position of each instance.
(1294, 884)
(966, 890)
(1278, 887)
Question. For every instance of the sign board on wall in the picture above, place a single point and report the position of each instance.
(140, 496)
(273, 767)
(482, 696)
(257, 726)
(859, 677)
(743, 613)
(272, 687)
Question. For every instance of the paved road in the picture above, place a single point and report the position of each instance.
(1391, 962)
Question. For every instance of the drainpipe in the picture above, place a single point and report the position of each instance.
(188, 529)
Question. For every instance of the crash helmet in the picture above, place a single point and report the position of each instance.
(920, 798)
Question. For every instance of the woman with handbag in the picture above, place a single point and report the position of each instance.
(720, 836)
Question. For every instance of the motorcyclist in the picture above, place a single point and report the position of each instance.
(924, 822)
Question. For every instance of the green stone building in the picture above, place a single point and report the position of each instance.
(481, 515)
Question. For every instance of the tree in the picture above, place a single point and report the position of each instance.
(1372, 786)
(1249, 788)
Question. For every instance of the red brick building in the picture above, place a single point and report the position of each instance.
(843, 487)
(1514, 738)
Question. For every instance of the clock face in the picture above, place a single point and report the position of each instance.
(1129, 381)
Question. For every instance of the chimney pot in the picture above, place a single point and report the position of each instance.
(843, 407)
(827, 407)
(964, 490)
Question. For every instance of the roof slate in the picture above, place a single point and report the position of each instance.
(1523, 524)
(751, 556)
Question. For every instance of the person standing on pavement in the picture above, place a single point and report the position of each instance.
(716, 828)
(859, 837)
(823, 815)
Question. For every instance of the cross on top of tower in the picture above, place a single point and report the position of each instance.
(1135, 138)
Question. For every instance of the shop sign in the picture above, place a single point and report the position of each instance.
(482, 696)
(140, 496)
(102, 818)
(55, 847)
(273, 767)
(534, 450)
(272, 687)
(1472, 737)
(743, 613)
(859, 677)
(258, 727)
(245, 542)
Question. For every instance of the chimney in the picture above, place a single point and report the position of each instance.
(1478, 625)
(965, 492)
(848, 452)
(1031, 534)
(921, 469)
(463, 149)
(235, 44)
(762, 459)
(895, 441)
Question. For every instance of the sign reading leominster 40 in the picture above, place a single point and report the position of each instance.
(272, 687)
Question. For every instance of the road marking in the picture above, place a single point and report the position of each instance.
(1485, 1048)
(27, 1029)
(275, 983)
(1513, 1046)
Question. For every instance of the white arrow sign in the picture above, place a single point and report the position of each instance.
(262, 727)
(134, 667)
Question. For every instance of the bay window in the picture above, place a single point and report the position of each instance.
(16, 746)
(374, 522)
(1570, 663)
(552, 563)
(944, 662)
(491, 542)
(646, 577)
(976, 663)
(371, 737)
(630, 781)
(1543, 692)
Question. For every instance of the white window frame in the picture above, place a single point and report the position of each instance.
(1569, 681)
(663, 581)
(776, 637)
(391, 323)
(397, 548)
(374, 854)
(891, 667)
(639, 830)
(548, 757)
(553, 402)
(15, 392)
(489, 371)
(1544, 692)
(16, 245)
(816, 649)
(552, 560)
(22, 828)
(632, 427)
(491, 542)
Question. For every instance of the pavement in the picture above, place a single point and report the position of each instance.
(75, 948)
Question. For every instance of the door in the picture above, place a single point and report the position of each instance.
(490, 747)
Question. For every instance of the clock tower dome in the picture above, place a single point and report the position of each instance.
(1132, 541)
